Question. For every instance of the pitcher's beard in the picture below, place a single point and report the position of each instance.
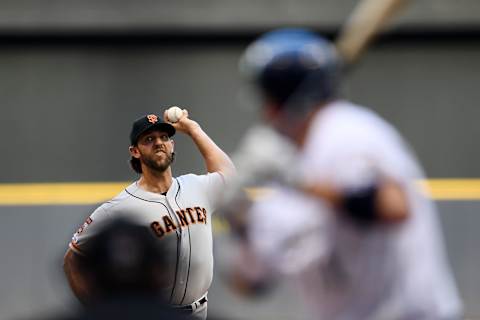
(159, 166)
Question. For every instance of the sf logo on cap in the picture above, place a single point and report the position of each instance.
(152, 118)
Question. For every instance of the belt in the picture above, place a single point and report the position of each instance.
(190, 308)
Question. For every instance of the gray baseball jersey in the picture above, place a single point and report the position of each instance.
(181, 220)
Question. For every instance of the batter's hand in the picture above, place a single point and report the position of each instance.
(263, 156)
(184, 123)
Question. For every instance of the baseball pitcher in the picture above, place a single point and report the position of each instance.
(177, 210)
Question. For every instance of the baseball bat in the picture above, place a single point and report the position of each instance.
(366, 20)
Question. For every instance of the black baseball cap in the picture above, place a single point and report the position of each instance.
(148, 122)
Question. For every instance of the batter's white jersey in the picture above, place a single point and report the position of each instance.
(182, 222)
(347, 272)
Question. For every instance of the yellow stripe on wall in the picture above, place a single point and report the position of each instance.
(452, 189)
(92, 193)
(58, 193)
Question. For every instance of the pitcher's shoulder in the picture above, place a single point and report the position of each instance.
(121, 199)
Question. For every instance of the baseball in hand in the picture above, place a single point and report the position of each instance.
(174, 114)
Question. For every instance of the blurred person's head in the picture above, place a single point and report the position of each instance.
(123, 259)
(295, 71)
(151, 145)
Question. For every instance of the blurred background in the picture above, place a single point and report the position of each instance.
(75, 74)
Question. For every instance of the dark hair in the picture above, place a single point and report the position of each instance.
(136, 165)
(113, 269)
